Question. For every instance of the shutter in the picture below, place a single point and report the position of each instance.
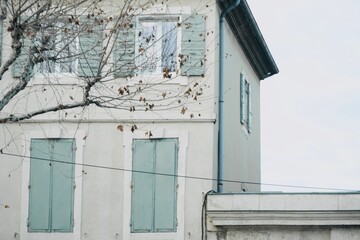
(242, 98)
(1, 38)
(21, 61)
(249, 108)
(90, 48)
(142, 202)
(193, 45)
(124, 51)
(63, 186)
(165, 186)
(39, 194)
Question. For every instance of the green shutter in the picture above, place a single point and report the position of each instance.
(51, 197)
(18, 65)
(142, 201)
(90, 48)
(165, 186)
(242, 98)
(1, 38)
(193, 45)
(124, 51)
(40, 186)
(249, 108)
(63, 186)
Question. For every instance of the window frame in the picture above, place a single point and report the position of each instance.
(155, 144)
(73, 47)
(79, 140)
(52, 183)
(159, 20)
(182, 153)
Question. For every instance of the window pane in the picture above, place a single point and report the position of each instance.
(169, 46)
(149, 46)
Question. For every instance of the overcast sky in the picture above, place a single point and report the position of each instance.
(311, 110)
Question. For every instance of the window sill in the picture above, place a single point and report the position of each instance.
(54, 79)
(157, 79)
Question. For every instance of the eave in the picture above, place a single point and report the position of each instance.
(249, 37)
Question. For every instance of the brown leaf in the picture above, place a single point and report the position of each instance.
(120, 128)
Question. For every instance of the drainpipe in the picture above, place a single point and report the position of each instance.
(221, 95)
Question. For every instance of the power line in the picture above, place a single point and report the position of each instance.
(177, 175)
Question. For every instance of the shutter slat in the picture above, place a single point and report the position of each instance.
(63, 186)
(249, 109)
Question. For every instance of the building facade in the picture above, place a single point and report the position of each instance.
(114, 169)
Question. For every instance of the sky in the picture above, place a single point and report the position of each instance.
(310, 110)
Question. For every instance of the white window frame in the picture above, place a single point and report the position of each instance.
(182, 136)
(57, 77)
(158, 12)
(78, 136)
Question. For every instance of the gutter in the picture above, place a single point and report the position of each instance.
(221, 96)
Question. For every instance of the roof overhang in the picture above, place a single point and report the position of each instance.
(247, 33)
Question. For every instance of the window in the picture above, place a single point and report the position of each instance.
(157, 44)
(51, 187)
(57, 46)
(154, 196)
(245, 103)
(154, 46)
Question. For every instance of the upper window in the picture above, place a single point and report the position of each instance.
(157, 45)
(51, 187)
(245, 103)
(154, 185)
(56, 46)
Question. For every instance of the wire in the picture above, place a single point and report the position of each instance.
(179, 176)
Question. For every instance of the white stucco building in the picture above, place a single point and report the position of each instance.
(85, 172)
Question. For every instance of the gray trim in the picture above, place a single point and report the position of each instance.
(247, 33)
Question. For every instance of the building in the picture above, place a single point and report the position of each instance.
(83, 169)
(267, 216)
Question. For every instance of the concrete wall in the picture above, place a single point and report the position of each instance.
(242, 149)
(324, 216)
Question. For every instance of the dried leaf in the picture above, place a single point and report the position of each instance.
(120, 128)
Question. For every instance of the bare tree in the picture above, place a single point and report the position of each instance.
(87, 53)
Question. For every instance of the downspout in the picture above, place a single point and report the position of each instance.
(221, 95)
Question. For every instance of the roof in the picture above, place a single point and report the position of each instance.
(247, 33)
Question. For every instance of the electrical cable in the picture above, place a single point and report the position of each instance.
(177, 175)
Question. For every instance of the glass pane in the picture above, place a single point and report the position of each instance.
(169, 46)
(149, 46)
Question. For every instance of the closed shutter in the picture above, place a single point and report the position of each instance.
(249, 108)
(124, 51)
(40, 186)
(153, 200)
(142, 189)
(242, 99)
(1, 38)
(51, 192)
(63, 186)
(23, 58)
(165, 186)
(90, 48)
(193, 45)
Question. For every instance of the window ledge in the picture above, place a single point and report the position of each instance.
(157, 79)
